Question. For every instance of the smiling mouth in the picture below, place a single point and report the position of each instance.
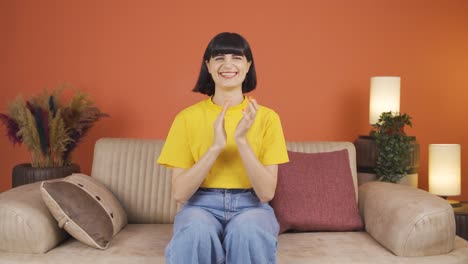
(228, 75)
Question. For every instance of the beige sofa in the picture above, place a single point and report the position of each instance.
(402, 223)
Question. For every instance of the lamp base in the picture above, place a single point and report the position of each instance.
(453, 203)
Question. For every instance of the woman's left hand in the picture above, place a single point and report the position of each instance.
(247, 120)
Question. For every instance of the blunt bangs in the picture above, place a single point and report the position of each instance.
(226, 50)
(228, 43)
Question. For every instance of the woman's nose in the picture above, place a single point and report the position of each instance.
(227, 60)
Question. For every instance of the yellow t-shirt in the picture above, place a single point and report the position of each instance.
(192, 134)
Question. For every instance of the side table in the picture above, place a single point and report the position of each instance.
(461, 220)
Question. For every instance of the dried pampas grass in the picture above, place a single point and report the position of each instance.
(50, 130)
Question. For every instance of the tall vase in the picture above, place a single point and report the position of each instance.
(24, 173)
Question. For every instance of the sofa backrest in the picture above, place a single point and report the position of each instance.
(128, 168)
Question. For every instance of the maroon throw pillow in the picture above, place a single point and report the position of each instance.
(315, 192)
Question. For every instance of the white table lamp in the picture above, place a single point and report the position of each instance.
(384, 96)
(445, 171)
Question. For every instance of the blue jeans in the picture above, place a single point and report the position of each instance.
(224, 226)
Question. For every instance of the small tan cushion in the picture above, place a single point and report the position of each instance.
(26, 225)
(85, 209)
(409, 222)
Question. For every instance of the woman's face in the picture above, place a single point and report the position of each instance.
(228, 70)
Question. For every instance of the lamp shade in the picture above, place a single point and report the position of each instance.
(384, 96)
(444, 169)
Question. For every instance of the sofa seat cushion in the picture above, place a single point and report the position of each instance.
(135, 243)
(353, 248)
(85, 208)
(145, 244)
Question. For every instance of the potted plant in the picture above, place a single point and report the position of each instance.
(396, 153)
(50, 129)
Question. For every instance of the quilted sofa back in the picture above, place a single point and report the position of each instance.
(128, 168)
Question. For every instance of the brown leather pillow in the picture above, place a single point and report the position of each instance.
(85, 208)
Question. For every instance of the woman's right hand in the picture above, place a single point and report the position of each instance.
(219, 131)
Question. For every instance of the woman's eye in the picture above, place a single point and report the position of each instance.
(238, 58)
(218, 58)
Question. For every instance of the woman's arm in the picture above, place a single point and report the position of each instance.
(186, 181)
(263, 178)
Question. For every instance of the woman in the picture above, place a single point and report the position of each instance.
(225, 152)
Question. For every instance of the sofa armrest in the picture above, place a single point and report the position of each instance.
(26, 225)
(407, 221)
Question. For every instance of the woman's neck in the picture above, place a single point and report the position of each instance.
(235, 96)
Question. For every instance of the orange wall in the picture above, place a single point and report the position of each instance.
(314, 59)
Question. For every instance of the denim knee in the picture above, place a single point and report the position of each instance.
(250, 243)
(249, 232)
(195, 242)
(197, 229)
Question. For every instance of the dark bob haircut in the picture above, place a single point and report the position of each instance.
(226, 43)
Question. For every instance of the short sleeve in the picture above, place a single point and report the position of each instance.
(274, 149)
(176, 150)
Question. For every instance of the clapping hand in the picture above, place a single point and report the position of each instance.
(247, 120)
(219, 131)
